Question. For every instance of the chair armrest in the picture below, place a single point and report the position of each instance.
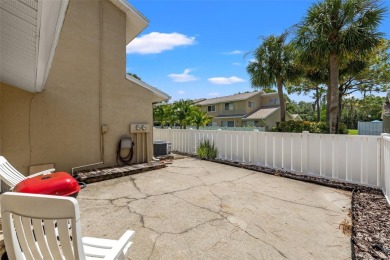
(121, 244)
(48, 171)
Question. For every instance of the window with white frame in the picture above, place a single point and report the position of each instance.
(251, 104)
(211, 108)
(228, 106)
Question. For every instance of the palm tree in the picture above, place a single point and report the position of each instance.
(183, 111)
(170, 116)
(332, 29)
(200, 118)
(159, 115)
(273, 65)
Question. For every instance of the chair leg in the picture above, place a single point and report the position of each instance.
(121, 257)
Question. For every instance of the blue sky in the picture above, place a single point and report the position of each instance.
(196, 48)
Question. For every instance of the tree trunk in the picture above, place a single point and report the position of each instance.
(334, 92)
(328, 94)
(340, 106)
(281, 100)
(318, 104)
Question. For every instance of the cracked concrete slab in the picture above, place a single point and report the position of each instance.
(195, 209)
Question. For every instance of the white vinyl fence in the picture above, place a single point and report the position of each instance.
(355, 159)
(386, 166)
(224, 128)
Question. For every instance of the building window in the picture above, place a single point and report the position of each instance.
(227, 123)
(211, 108)
(228, 106)
(251, 104)
(274, 101)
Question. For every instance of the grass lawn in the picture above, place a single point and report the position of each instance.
(352, 131)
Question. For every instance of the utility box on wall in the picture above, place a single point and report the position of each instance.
(139, 128)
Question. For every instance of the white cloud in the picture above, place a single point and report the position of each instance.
(180, 92)
(183, 77)
(225, 81)
(213, 94)
(235, 52)
(236, 63)
(156, 42)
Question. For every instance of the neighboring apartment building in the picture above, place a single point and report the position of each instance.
(246, 109)
(65, 98)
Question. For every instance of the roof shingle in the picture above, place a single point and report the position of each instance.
(262, 113)
(236, 97)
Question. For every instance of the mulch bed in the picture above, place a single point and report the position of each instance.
(370, 225)
(370, 238)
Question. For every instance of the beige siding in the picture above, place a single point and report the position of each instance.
(265, 100)
(237, 121)
(15, 142)
(62, 124)
(275, 117)
(386, 124)
(1, 116)
(257, 104)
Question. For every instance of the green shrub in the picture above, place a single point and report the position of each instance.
(313, 127)
(207, 150)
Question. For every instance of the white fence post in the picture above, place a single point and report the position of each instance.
(385, 165)
(305, 152)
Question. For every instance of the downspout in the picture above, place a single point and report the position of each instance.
(102, 129)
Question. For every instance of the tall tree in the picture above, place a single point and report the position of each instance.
(183, 111)
(366, 73)
(273, 66)
(133, 75)
(199, 117)
(332, 29)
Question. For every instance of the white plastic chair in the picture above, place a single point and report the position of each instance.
(30, 232)
(11, 176)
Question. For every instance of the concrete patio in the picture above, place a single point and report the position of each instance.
(196, 209)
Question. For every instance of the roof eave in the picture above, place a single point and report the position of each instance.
(49, 34)
(225, 101)
(135, 21)
(160, 94)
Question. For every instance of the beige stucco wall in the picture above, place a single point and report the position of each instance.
(0, 117)
(237, 121)
(275, 117)
(61, 125)
(386, 124)
(265, 99)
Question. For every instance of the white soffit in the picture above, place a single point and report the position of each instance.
(29, 32)
(135, 21)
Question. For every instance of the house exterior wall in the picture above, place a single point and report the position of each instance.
(386, 124)
(86, 89)
(237, 121)
(265, 100)
(241, 107)
(275, 117)
(0, 117)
